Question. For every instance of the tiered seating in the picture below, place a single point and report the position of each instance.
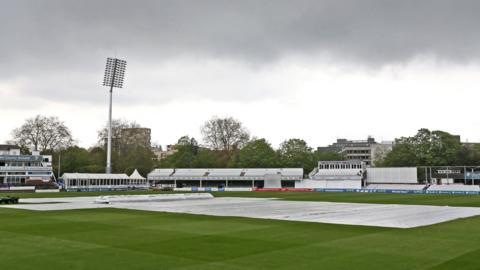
(454, 187)
(338, 174)
(397, 186)
(291, 171)
(256, 172)
(161, 173)
(225, 172)
(287, 173)
(190, 172)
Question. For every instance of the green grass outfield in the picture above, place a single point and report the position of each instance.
(126, 239)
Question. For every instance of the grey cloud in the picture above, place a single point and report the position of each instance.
(382, 30)
(62, 36)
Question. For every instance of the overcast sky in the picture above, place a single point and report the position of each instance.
(317, 70)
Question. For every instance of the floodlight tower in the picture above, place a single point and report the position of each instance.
(114, 74)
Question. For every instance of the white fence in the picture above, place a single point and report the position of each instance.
(392, 175)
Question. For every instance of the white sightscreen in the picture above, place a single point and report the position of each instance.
(273, 181)
(392, 175)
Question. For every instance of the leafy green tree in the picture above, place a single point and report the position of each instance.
(187, 150)
(295, 153)
(469, 154)
(72, 159)
(402, 155)
(94, 168)
(140, 158)
(205, 158)
(97, 157)
(445, 148)
(23, 149)
(426, 148)
(257, 154)
(326, 156)
(123, 152)
(227, 161)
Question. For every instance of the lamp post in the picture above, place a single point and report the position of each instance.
(59, 164)
(114, 74)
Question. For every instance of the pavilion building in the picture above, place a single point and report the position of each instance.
(103, 181)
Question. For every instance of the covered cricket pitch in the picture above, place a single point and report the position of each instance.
(379, 215)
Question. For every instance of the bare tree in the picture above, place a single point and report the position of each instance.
(117, 126)
(43, 133)
(225, 134)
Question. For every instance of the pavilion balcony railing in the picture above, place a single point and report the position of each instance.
(24, 168)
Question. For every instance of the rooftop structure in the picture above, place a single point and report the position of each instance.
(367, 150)
(354, 174)
(17, 169)
(246, 177)
(9, 149)
(335, 174)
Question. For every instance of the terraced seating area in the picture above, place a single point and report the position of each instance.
(225, 174)
(454, 187)
(397, 186)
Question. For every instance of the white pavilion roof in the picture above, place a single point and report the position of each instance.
(95, 176)
(136, 175)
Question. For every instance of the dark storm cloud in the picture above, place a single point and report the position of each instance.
(380, 30)
(68, 38)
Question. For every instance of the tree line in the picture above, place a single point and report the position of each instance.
(256, 153)
(432, 148)
(50, 136)
(227, 144)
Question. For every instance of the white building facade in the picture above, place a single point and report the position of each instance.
(17, 169)
(103, 181)
(347, 174)
(368, 151)
(226, 178)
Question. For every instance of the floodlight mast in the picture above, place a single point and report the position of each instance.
(114, 73)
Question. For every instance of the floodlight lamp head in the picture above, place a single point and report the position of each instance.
(114, 72)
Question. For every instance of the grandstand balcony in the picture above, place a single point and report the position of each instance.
(245, 174)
